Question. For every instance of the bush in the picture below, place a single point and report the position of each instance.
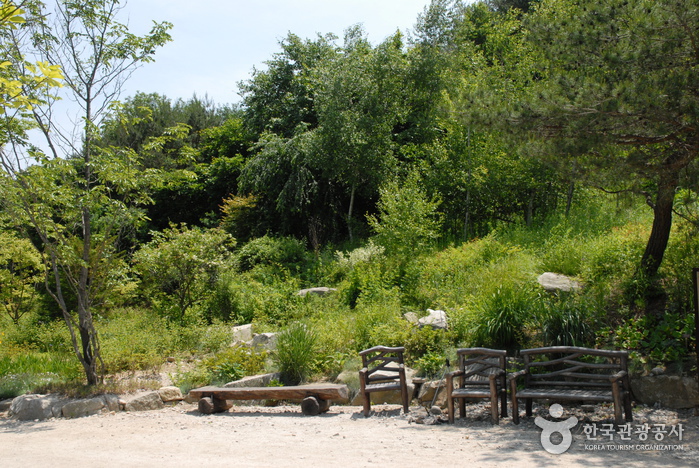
(502, 319)
(283, 252)
(296, 353)
(179, 265)
(567, 321)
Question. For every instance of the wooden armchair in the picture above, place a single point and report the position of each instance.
(481, 374)
(382, 370)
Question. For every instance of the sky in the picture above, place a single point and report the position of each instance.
(216, 43)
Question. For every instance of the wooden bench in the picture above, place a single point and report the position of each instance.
(315, 398)
(573, 374)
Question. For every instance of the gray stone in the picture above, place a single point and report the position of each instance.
(319, 291)
(242, 333)
(84, 407)
(170, 394)
(553, 282)
(670, 391)
(32, 406)
(265, 340)
(437, 319)
(5, 405)
(112, 402)
(262, 380)
(411, 317)
(427, 391)
(144, 402)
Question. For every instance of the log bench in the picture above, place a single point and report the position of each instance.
(572, 373)
(315, 398)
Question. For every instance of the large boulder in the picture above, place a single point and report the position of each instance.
(266, 341)
(144, 402)
(170, 394)
(671, 391)
(437, 319)
(83, 407)
(36, 407)
(426, 394)
(319, 291)
(554, 282)
(242, 333)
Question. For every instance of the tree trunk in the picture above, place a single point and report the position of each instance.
(349, 212)
(662, 224)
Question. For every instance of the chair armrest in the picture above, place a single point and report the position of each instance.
(497, 373)
(618, 376)
(455, 373)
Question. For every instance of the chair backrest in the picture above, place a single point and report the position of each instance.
(383, 363)
(558, 366)
(479, 364)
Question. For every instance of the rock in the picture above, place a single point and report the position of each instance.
(436, 410)
(265, 340)
(32, 406)
(169, 394)
(242, 333)
(5, 405)
(144, 402)
(170, 359)
(427, 390)
(670, 391)
(262, 380)
(84, 407)
(112, 403)
(657, 371)
(319, 291)
(411, 317)
(553, 282)
(437, 319)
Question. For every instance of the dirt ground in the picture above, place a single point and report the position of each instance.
(251, 436)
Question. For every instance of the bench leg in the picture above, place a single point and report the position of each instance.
(311, 406)
(528, 405)
(210, 405)
(367, 404)
(450, 407)
(515, 405)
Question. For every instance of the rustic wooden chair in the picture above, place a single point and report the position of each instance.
(382, 370)
(481, 374)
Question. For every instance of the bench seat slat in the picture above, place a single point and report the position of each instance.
(566, 394)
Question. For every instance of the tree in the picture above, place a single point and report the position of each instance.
(21, 272)
(408, 220)
(78, 206)
(611, 87)
(180, 264)
(282, 97)
(360, 102)
(619, 85)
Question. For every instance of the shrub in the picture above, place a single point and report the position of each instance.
(284, 252)
(296, 353)
(502, 319)
(567, 321)
(180, 264)
(408, 220)
(655, 339)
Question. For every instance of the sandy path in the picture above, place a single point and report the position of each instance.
(179, 436)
